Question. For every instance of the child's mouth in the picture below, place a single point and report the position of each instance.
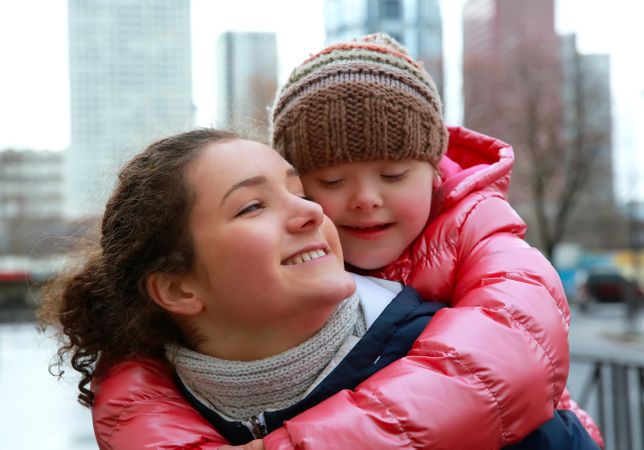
(369, 228)
(366, 232)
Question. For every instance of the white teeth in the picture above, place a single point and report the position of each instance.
(305, 256)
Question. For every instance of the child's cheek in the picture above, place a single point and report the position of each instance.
(413, 214)
(331, 205)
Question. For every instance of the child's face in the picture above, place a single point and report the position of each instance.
(379, 207)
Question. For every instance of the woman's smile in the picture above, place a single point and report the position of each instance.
(305, 256)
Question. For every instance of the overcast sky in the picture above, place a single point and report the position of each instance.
(34, 95)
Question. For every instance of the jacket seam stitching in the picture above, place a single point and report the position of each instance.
(475, 205)
(545, 351)
(375, 397)
(448, 242)
(481, 199)
(126, 408)
(451, 241)
(462, 361)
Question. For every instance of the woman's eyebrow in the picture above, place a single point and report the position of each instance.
(254, 181)
(248, 182)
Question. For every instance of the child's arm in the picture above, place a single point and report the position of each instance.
(500, 271)
(509, 317)
(138, 406)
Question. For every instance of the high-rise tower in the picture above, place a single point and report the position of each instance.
(416, 24)
(246, 81)
(130, 82)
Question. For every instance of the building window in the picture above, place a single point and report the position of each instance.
(391, 9)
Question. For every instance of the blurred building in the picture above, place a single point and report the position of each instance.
(31, 184)
(31, 198)
(512, 66)
(504, 43)
(587, 105)
(597, 221)
(130, 82)
(246, 81)
(525, 84)
(417, 24)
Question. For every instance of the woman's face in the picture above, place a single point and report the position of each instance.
(268, 261)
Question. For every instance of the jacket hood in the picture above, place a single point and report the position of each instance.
(473, 162)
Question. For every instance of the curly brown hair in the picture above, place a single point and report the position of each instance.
(102, 309)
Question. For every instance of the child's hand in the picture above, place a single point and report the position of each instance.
(257, 444)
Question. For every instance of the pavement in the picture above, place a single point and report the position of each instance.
(603, 331)
(604, 334)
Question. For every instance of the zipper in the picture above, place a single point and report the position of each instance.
(257, 426)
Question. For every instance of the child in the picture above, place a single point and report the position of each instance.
(362, 123)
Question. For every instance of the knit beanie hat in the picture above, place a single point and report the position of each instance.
(363, 100)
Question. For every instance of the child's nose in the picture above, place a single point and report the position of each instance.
(365, 199)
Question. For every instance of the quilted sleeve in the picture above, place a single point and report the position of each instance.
(509, 318)
(138, 406)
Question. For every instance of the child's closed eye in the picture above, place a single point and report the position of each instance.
(331, 182)
(393, 177)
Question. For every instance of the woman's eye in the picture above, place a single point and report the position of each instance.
(394, 176)
(250, 208)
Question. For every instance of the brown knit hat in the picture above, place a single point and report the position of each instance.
(363, 100)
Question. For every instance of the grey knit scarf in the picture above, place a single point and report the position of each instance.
(243, 389)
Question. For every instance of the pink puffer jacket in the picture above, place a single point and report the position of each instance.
(483, 374)
(509, 318)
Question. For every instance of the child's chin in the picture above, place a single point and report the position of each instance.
(364, 263)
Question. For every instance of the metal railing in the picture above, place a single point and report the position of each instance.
(613, 394)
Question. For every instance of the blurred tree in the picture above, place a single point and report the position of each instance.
(548, 110)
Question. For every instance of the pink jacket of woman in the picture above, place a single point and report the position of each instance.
(482, 375)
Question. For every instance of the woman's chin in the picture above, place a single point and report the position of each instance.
(338, 286)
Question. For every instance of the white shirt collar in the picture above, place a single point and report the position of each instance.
(375, 294)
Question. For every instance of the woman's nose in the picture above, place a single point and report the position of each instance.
(305, 215)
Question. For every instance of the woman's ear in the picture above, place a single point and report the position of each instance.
(173, 293)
